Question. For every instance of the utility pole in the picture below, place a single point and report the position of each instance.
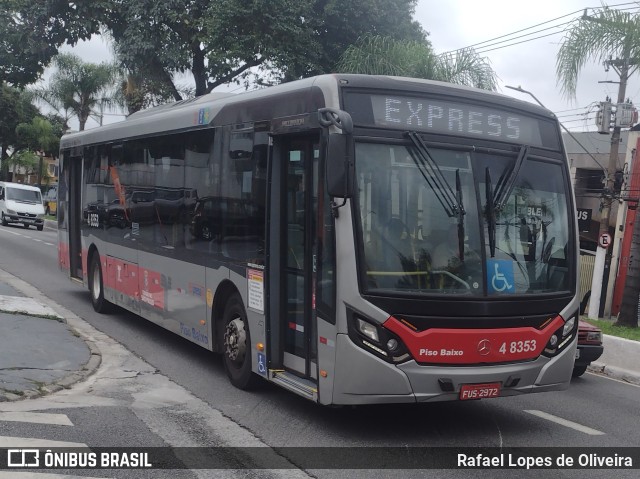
(623, 68)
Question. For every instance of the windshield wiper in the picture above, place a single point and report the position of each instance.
(460, 216)
(504, 188)
(491, 212)
(436, 180)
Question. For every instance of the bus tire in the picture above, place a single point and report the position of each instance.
(96, 286)
(236, 344)
(579, 370)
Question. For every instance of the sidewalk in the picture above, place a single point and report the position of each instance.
(39, 353)
(620, 359)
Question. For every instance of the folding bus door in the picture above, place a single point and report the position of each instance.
(297, 329)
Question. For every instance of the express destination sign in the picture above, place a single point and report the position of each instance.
(450, 117)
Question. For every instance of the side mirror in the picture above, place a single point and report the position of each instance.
(339, 165)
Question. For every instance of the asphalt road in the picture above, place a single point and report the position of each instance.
(595, 411)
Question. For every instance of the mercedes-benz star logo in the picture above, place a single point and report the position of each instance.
(484, 347)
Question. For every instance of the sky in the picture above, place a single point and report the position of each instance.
(528, 61)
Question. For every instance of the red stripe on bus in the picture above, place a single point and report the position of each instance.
(474, 346)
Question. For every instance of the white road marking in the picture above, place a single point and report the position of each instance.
(13, 232)
(565, 422)
(26, 442)
(36, 418)
(39, 475)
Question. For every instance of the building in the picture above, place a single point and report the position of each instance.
(588, 169)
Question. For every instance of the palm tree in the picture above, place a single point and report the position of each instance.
(613, 38)
(378, 55)
(77, 87)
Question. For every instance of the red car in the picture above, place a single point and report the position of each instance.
(589, 347)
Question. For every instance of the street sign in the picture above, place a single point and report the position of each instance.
(584, 220)
(605, 240)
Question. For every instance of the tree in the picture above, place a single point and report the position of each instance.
(217, 42)
(377, 55)
(15, 108)
(233, 40)
(39, 135)
(611, 37)
(32, 32)
(135, 91)
(337, 24)
(77, 87)
(25, 160)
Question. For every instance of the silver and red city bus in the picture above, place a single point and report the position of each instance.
(354, 239)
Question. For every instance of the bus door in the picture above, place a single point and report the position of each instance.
(297, 247)
(74, 170)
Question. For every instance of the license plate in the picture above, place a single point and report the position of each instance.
(479, 391)
(577, 354)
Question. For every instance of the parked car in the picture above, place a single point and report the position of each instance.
(589, 347)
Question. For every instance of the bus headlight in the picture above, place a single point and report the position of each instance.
(568, 326)
(376, 339)
(369, 330)
(561, 337)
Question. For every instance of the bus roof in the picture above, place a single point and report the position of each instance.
(204, 111)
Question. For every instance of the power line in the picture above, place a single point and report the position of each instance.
(517, 31)
(492, 41)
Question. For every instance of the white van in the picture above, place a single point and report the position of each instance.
(21, 204)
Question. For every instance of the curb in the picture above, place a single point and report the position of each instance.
(615, 372)
(90, 367)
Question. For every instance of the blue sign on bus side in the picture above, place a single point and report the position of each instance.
(203, 116)
(262, 364)
(500, 276)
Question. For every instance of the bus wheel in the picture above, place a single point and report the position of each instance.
(579, 370)
(237, 345)
(100, 304)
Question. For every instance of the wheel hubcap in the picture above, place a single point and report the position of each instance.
(96, 284)
(235, 340)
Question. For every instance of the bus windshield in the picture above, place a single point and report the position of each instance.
(435, 229)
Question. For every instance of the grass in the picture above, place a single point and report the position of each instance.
(619, 331)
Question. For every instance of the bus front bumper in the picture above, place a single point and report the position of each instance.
(370, 380)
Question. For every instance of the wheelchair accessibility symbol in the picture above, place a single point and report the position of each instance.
(262, 364)
(500, 276)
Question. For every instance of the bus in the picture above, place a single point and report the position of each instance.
(354, 239)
